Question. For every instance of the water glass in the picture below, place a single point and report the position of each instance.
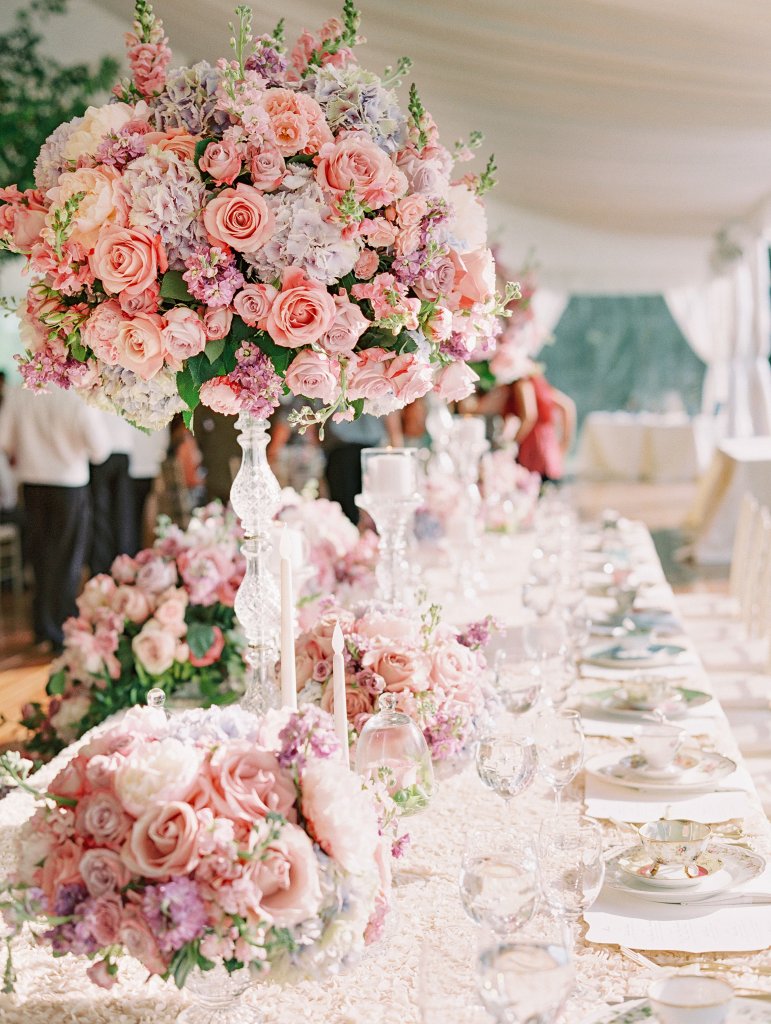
(545, 637)
(559, 737)
(518, 684)
(498, 881)
(506, 764)
(538, 595)
(571, 863)
(558, 674)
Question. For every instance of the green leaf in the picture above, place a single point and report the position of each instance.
(200, 637)
(188, 387)
(214, 349)
(173, 287)
(358, 407)
(56, 683)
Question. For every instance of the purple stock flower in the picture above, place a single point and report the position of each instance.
(311, 729)
(399, 846)
(46, 366)
(478, 633)
(212, 276)
(120, 148)
(261, 385)
(175, 912)
(67, 898)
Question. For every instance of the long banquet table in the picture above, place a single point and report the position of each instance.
(384, 987)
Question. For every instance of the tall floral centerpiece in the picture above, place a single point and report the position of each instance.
(275, 223)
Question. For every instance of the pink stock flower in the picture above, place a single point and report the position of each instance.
(253, 303)
(314, 375)
(127, 259)
(183, 335)
(240, 218)
(455, 382)
(221, 161)
(302, 312)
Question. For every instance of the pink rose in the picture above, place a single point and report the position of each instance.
(25, 222)
(216, 322)
(139, 344)
(99, 974)
(131, 603)
(183, 335)
(221, 395)
(475, 277)
(411, 378)
(411, 209)
(61, 867)
(175, 140)
(154, 647)
(355, 160)
(155, 574)
(70, 782)
(455, 382)
(452, 665)
(313, 374)
(366, 264)
(325, 627)
(214, 651)
(103, 872)
(441, 281)
(357, 701)
(408, 240)
(170, 613)
(123, 568)
(267, 168)
(438, 327)
(135, 934)
(379, 233)
(340, 815)
(127, 259)
(101, 816)
(163, 842)
(288, 878)
(302, 312)
(401, 669)
(367, 375)
(105, 915)
(221, 162)
(350, 323)
(101, 329)
(253, 304)
(239, 217)
(426, 175)
(247, 782)
(147, 301)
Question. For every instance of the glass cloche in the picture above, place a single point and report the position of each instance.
(392, 749)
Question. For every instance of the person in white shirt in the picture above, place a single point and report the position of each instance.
(112, 497)
(50, 440)
(147, 454)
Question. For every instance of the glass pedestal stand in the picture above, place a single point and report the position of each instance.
(393, 519)
(465, 527)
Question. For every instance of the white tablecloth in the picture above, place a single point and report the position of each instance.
(383, 988)
(740, 465)
(662, 447)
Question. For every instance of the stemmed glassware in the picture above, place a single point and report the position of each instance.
(506, 764)
(518, 683)
(559, 737)
(572, 865)
(498, 880)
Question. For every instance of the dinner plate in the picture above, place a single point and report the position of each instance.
(663, 622)
(744, 1010)
(700, 770)
(738, 867)
(614, 702)
(637, 864)
(644, 656)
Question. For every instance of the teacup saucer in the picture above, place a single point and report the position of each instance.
(695, 770)
(636, 765)
(637, 863)
(739, 866)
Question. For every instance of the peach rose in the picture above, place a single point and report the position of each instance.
(408, 240)
(287, 119)
(357, 701)
(410, 377)
(212, 654)
(318, 131)
(366, 264)
(139, 344)
(70, 782)
(451, 666)
(411, 209)
(455, 382)
(474, 277)
(136, 936)
(170, 613)
(267, 168)
(101, 329)
(248, 782)
(350, 323)
(288, 878)
(367, 376)
(221, 161)
(24, 220)
(402, 669)
(102, 872)
(216, 322)
(127, 259)
(175, 140)
(314, 375)
(163, 841)
(221, 395)
(302, 312)
(253, 304)
(147, 301)
(154, 647)
(131, 603)
(356, 160)
(104, 202)
(379, 233)
(183, 335)
(239, 217)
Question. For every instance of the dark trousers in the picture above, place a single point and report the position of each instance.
(142, 488)
(112, 503)
(58, 521)
(343, 475)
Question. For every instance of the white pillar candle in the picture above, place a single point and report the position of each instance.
(338, 692)
(288, 673)
(390, 475)
(469, 429)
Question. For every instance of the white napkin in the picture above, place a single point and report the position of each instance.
(621, 919)
(604, 800)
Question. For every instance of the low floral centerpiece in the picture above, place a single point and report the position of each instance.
(275, 222)
(163, 618)
(437, 673)
(199, 840)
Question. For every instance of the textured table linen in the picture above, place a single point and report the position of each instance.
(383, 987)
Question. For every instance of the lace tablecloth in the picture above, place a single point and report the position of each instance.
(383, 988)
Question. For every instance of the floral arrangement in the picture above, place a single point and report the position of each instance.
(201, 838)
(436, 672)
(274, 223)
(161, 619)
(518, 342)
(510, 491)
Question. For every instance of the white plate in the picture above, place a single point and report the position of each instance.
(739, 866)
(706, 767)
(743, 1011)
(646, 656)
(636, 864)
(613, 702)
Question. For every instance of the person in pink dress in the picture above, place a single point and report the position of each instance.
(547, 425)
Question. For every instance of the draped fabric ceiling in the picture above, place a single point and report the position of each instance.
(627, 132)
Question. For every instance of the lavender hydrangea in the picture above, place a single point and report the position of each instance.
(355, 99)
(50, 162)
(175, 912)
(121, 148)
(189, 100)
(268, 63)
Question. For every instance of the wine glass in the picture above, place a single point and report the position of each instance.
(518, 683)
(545, 637)
(538, 595)
(526, 980)
(559, 737)
(558, 674)
(498, 880)
(506, 764)
(571, 863)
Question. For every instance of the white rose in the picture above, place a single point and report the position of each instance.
(468, 222)
(157, 772)
(97, 123)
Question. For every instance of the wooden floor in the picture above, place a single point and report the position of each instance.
(662, 507)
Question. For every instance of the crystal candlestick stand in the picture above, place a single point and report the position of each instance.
(255, 496)
(391, 497)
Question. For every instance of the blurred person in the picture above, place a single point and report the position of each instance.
(50, 439)
(547, 423)
(413, 418)
(183, 447)
(344, 443)
(217, 440)
(112, 497)
(147, 454)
